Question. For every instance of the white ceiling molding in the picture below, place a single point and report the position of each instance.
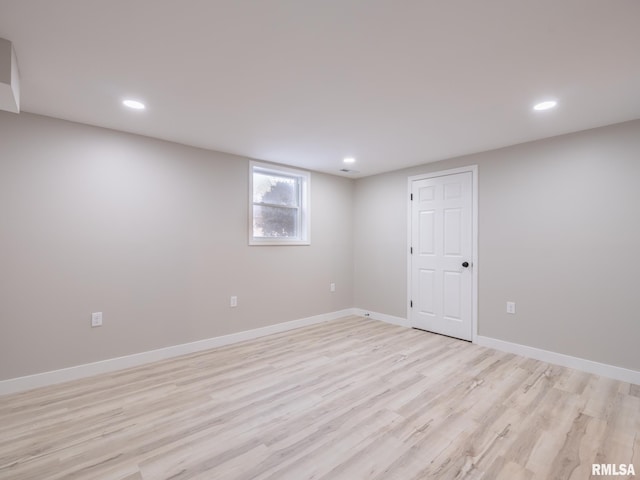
(9, 78)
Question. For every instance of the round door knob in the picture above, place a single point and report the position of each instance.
(465, 264)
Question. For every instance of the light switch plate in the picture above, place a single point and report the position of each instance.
(96, 319)
(511, 307)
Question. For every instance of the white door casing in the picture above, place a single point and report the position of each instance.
(443, 252)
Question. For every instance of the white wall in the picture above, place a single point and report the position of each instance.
(559, 232)
(154, 235)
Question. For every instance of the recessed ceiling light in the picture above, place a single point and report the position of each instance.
(546, 105)
(134, 104)
(349, 160)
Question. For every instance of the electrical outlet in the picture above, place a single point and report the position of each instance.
(96, 319)
(233, 301)
(511, 307)
(332, 287)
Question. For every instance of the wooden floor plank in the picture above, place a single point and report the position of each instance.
(348, 399)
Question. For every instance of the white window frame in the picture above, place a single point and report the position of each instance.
(304, 213)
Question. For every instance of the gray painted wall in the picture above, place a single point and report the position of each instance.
(154, 235)
(559, 229)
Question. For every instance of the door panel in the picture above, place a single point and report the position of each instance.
(426, 194)
(441, 229)
(427, 232)
(427, 286)
(452, 232)
(452, 289)
(452, 190)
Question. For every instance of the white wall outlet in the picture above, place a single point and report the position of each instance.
(233, 301)
(511, 307)
(332, 287)
(96, 319)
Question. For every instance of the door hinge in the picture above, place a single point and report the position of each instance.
(411, 250)
(412, 196)
(411, 303)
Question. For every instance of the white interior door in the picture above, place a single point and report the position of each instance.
(442, 254)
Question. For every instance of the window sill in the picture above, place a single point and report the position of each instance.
(277, 242)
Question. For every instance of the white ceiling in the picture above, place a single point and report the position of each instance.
(393, 83)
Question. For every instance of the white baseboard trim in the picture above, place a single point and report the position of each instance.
(589, 366)
(20, 384)
(603, 369)
(383, 317)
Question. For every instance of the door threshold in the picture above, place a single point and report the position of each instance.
(442, 334)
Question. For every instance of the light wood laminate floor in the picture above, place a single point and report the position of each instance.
(348, 399)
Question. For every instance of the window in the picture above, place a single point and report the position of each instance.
(279, 206)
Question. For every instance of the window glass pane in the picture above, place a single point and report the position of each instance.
(279, 206)
(274, 222)
(275, 189)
